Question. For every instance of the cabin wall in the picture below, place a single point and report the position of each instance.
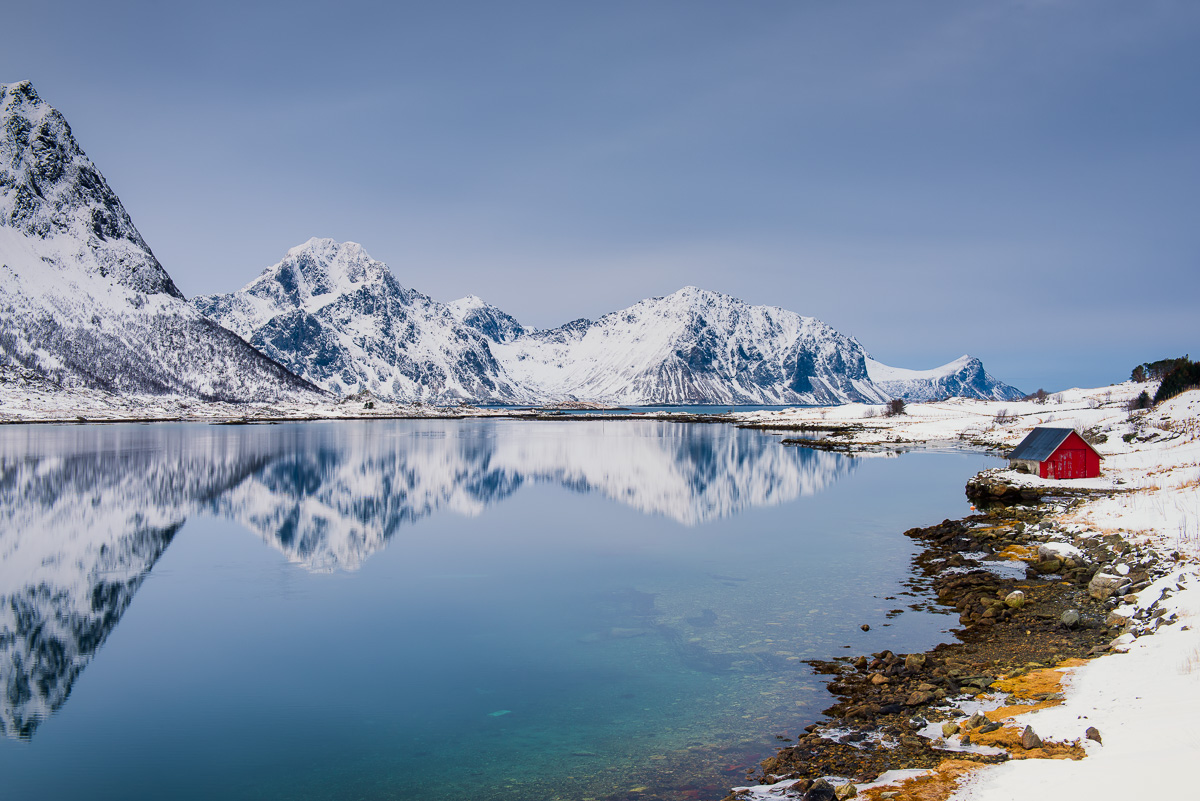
(1072, 459)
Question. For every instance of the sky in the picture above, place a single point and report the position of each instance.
(1014, 179)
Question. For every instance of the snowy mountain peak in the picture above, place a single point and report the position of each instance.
(318, 272)
(83, 301)
(476, 313)
(329, 251)
(692, 297)
(50, 190)
(963, 377)
(334, 315)
(692, 346)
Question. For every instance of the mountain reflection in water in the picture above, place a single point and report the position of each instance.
(86, 511)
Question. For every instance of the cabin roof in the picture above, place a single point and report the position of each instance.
(1040, 443)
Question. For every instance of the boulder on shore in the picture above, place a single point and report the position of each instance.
(1105, 585)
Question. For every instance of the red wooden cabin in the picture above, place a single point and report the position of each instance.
(1055, 453)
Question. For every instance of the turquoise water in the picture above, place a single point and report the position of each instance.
(450, 609)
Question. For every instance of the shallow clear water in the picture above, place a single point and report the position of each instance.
(452, 609)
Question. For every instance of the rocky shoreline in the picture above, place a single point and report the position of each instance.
(1030, 595)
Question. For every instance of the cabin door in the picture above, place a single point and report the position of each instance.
(1071, 464)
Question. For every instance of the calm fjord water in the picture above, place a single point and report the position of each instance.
(450, 609)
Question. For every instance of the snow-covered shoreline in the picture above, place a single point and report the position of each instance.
(1142, 697)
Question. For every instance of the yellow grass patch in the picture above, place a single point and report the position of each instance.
(938, 785)
(1023, 552)
(1036, 682)
(1009, 738)
(942, 781)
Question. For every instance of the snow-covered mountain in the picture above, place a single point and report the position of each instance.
(340, 319)
(964, 377)
(334, 315)
(485, 318)
(693, 346)
(697, 346)
(83, 300)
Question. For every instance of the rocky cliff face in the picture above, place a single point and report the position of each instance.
(485, 318)
(50, 190)
(334, 315)
(83, 300)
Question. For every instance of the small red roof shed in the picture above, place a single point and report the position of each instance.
(1056, 453)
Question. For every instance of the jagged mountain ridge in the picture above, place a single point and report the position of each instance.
(693, 346)
(697, 346)
(964, 377)
(339, 318)
(51, 190)
(489, 320)
(83, 300)
(334, 315)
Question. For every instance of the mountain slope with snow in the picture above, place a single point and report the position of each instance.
(83, 300)
(964, 378)
(485, 318)
(693, 346)
(334, 315)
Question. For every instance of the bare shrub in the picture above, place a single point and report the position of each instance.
(1142, 401)
(894, 407)
(1003, 418)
